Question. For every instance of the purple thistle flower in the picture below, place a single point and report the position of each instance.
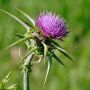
(52, 25)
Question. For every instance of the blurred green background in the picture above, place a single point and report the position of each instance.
(77, 15)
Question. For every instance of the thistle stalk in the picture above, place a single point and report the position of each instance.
(26, 72)
(26, 79)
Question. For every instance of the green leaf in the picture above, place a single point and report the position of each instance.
(57, 46)
(17, 19)
(28, 59)
(24, 57)
(55, 43)
(48, 68)
(64, 52)
(12, 87)
(4, 82)
(18, 35)
(17, 42)
(28, 17)
(58, 59)
(6, 79)
(45, 51)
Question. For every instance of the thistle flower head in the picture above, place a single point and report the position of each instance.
(52, 25)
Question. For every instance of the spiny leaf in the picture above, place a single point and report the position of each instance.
(48, 68)
(58, 59)
(17, 42)
(28, 24)
(19, 35)
(28, 59)
(24, 57)
(45, 51)
(12, 87)
(64, 52)
(4, 82)
(6, 79)
(27, 16)
(17, 19)
(55, 43)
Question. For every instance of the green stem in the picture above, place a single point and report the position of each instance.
(26, 80)
(26, 72)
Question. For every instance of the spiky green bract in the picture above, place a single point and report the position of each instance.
(45, 51)
(48, 68)
(17, 42)
(19, 35)
(57, 58)
(28, 17)
(17, 19)
(64, 52)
